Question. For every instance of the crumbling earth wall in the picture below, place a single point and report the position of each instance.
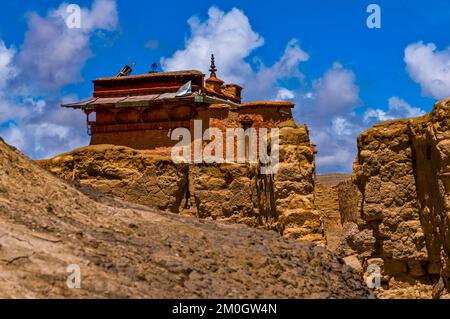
(126, 250)
(234, 192)
(403, 221)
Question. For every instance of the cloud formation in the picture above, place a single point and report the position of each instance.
(336, 92)
(232, 40)
(328, 111)
(397, 108)
(330, 107)
(265, 82)
(7, 70)
(51, 56)
(285, 94)
(430, 68)
(228, 35)
(332, 112)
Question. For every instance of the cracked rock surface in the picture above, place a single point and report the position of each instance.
(128, 250)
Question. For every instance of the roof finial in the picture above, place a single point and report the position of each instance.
(213, 67)
(154, 67)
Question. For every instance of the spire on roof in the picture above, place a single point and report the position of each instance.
(213, 69)
(154, 67)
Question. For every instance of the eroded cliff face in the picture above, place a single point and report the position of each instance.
(126, 250)
(233, 192)
(402, 174)
(150, 179)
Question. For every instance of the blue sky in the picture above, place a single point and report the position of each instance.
(311, 50)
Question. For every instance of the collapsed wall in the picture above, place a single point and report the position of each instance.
(233, 192)
(403, 213)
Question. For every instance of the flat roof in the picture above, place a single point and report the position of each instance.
(268, 103)
(138, 100)
(152, 75)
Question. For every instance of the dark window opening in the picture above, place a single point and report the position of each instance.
(428, 151)
(246, 124)
(187, 195)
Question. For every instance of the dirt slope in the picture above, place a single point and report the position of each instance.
(126, 250)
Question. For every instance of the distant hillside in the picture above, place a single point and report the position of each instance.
(332, 179)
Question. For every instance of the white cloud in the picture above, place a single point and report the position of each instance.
(51, 56)
(342, 126)
(232, 40)
(330, 112)
(51, 139)
(308, 95)
(285, 94)
(397, 108)
(15, 136)
(336, 153)
(7, 70)
(334, 123)
(43, 140)
(430, 68)
(263, 84)
(103, 15)
(328, 109)
(336, 92)
(228, 35)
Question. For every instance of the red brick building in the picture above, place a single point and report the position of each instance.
(140, 110)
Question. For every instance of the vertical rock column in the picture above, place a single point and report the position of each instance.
(294, 186)
(431, 144)
(391, 227)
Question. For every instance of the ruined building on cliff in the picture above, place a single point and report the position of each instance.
(139, 111)
(130, 141)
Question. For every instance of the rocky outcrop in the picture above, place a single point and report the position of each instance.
(403, 222)
(150, 179)
(230, 192)
(127, 250)
(293, 186)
